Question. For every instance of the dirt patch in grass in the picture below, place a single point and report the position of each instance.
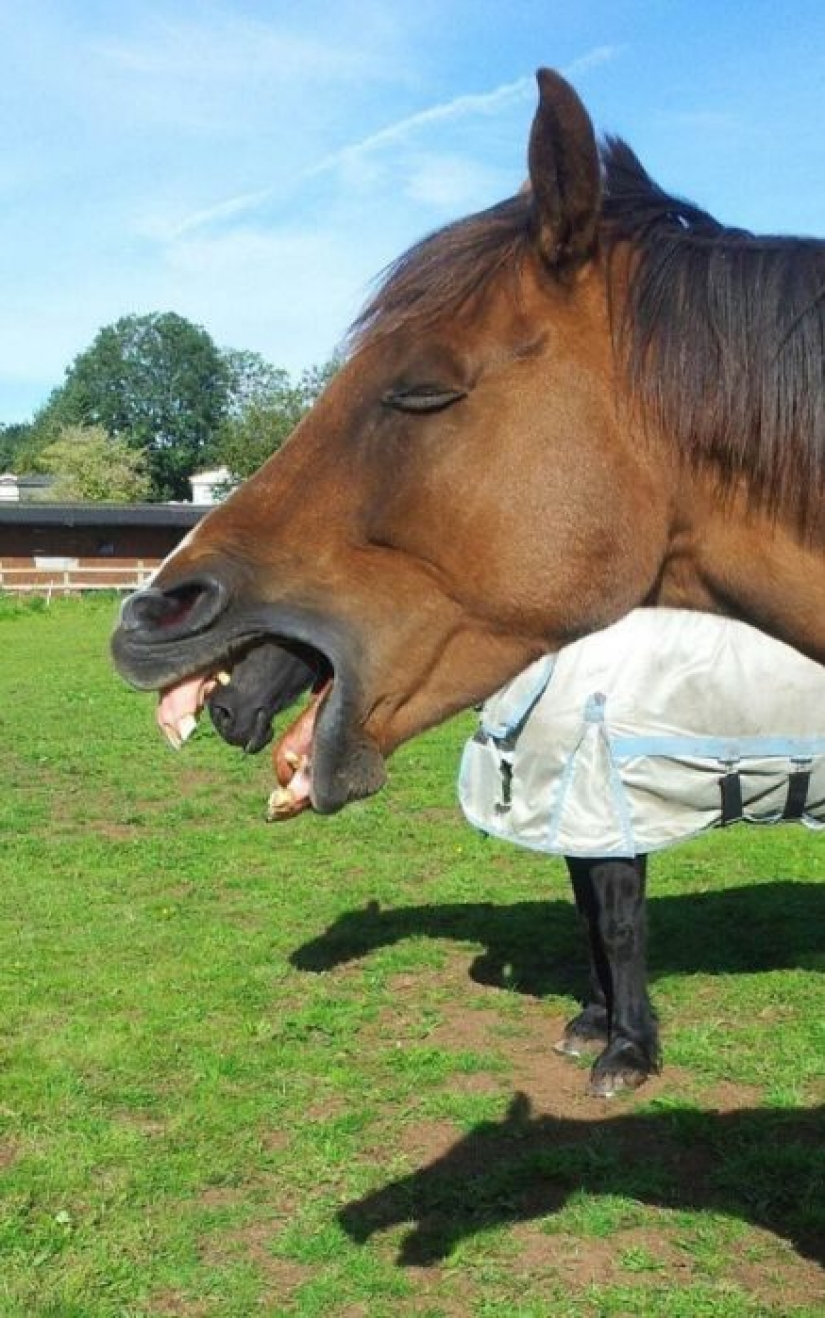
(523, 1044)
(9, 1154)
(175, 1304)
(275, 1198)
(427, 1141)
(152, 1127)
(780, 1277)
(432, 814)
(254, 1244)
(647, 1256)
(276, 1141)
(566, 1258)
(721, 1097)
(220, 1197)
(101, 809)
(554, 1085)
(283, 1278)
(520, 1045)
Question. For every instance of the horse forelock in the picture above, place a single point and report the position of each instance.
(446, 269)
(721, 332)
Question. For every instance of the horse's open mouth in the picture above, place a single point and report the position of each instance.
(257, 660)
(180, 707)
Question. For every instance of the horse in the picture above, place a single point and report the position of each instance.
(590, 397)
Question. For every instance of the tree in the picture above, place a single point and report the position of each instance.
(265, 407)
(155, 382)
(315, 379)
(90, 465)
(250, 381)
(17, 447)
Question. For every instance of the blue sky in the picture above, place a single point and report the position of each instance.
(253, 165)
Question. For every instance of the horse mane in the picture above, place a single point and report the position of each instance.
(721, 332)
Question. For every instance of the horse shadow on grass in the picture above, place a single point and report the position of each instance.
(766, 1167)
(537, 947)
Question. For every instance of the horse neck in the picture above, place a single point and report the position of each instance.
(728, 557)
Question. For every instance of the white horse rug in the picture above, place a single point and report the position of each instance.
(647, 733)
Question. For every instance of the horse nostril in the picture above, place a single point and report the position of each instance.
(189, 607)
(220, 715)
(261, 733)
(250, 729)
(146, 608)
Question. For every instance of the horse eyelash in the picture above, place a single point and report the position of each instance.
(425, 398)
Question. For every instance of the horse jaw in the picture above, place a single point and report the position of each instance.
(346, 762)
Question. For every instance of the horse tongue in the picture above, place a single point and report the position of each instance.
(292, 762)
(179, 707)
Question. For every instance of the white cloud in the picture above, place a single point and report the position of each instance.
(402, 130)
(449, 185)
(168, 230)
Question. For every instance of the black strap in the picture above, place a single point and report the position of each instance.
(798, 784)
(506, 769)
(730, 787)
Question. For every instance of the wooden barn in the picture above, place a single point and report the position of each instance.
(56, 547)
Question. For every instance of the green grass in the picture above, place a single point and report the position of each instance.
(306, 1069)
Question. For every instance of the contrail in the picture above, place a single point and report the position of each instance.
(509, 93)
(472, 103)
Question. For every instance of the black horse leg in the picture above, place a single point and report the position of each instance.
(589, 1031)
(610, 895)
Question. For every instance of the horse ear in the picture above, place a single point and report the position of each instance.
(565, 175)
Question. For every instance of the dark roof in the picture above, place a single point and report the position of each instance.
(102, 514)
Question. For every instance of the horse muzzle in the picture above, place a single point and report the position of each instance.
(261, 684)
(201, 627)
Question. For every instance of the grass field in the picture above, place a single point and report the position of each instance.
(307, 1068)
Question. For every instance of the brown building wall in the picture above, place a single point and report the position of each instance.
(106, 543)
(97, 557)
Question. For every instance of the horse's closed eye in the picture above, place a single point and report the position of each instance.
(423, 398)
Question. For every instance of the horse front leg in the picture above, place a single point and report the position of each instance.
(590, 1030)
(610, 896)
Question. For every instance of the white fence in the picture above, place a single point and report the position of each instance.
(74, 580)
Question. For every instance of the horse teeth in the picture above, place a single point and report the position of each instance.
(186, 727)
(223, 678)
(293, 759)
(171, 736)
(281, 802)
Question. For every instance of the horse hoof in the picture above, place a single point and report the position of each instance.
(579, 1043)
(622, 1067)
(585, 1032)
(568, 1047)
(609, 1084)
